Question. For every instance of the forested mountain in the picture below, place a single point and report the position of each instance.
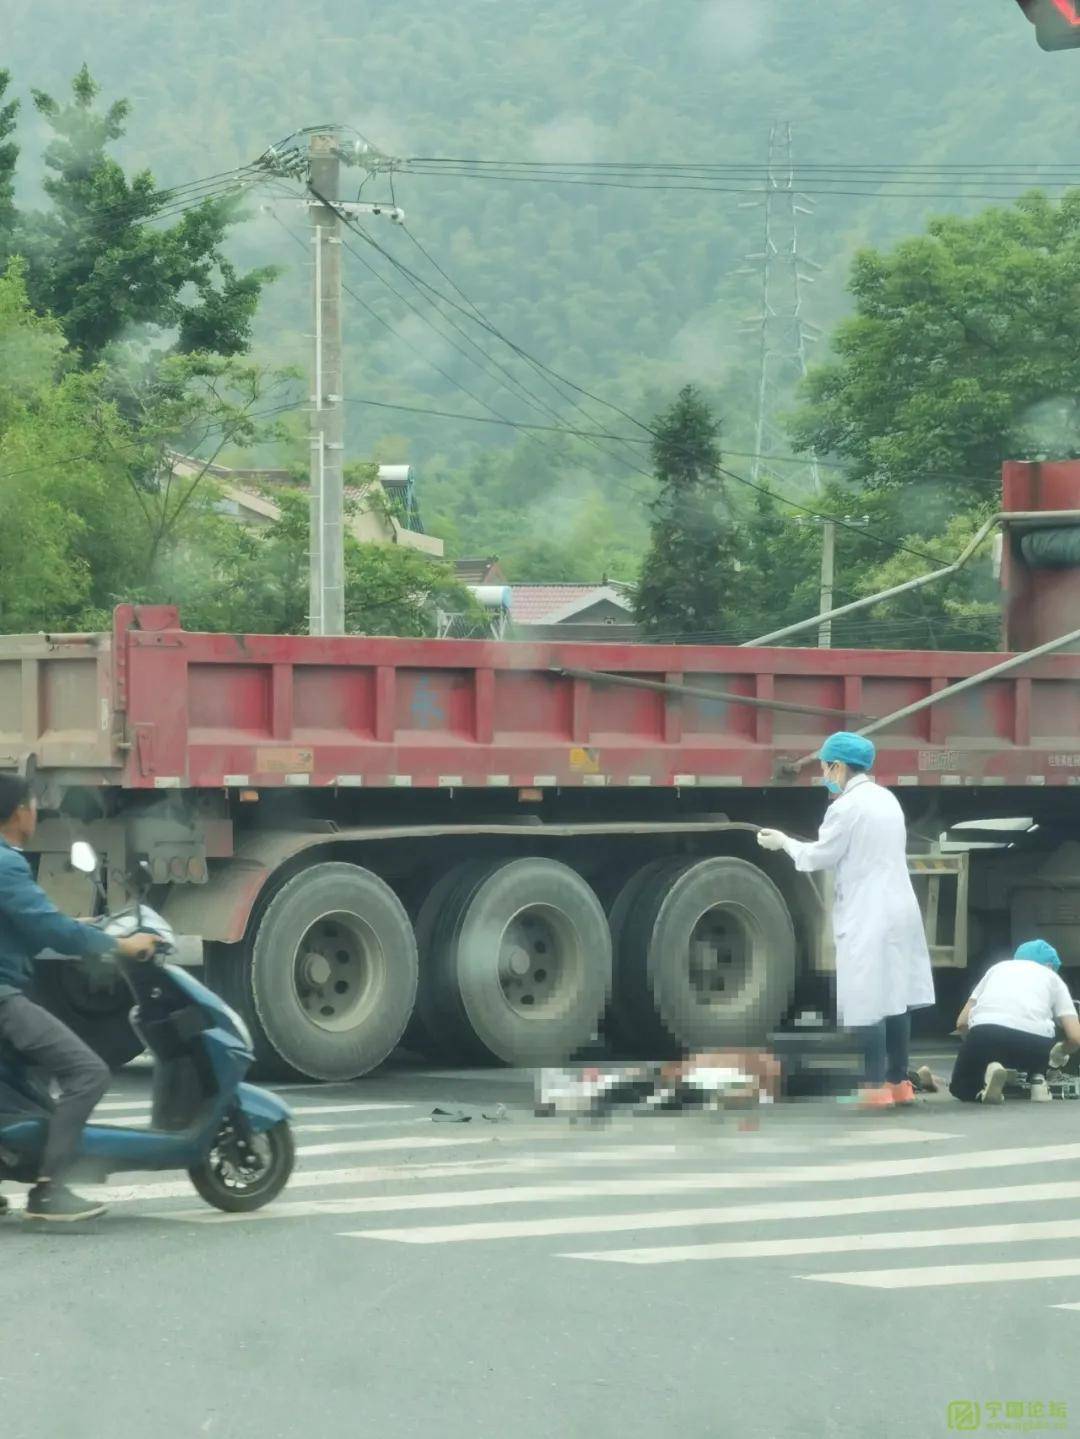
(630, 293)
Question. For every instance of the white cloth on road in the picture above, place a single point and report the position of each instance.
(1021, 995)
(882, 959)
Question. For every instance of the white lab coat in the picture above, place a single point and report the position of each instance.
(882, 959)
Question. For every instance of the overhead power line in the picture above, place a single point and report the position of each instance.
(889, 543)
(888, 167)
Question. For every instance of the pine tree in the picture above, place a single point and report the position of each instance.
(98, 264)
(9, 154)
(689, 579)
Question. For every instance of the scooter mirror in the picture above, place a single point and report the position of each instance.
(84, 857)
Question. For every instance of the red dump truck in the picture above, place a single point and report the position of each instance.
(498, 849)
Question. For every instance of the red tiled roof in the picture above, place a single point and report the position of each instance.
(531, 604)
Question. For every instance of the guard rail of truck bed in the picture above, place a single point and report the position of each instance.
(151, 706)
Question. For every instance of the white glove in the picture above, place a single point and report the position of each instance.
(1059, 1055)
(772, 839)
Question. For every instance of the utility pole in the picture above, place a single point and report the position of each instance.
(327, 483)
(828, 576)
(828, 564)
(318, 167)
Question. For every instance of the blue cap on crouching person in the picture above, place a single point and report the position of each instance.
(1040, 952)
(851, 749)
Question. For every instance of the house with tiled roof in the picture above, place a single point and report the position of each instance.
(586, 611)
(382, 511)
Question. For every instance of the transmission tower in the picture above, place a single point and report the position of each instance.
(783, 329)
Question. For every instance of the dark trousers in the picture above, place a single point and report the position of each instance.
(42, 1042)
(985, 1043)
(885, 1049)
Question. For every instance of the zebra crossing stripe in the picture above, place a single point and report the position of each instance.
(939, 1276)
(583, 1189)
(401, 1173)
(844, 1243)
(730, 1214)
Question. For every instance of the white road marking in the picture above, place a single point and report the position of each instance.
(405, 1173)
(345, 1108)
(142, 1121)
(479, 1134)
(732, 1214)
(844, 1243)
(351, 1124)
(1065, 1306)
(938, 1276)
(853, 1170)
(577, 1189)
(893, 1135)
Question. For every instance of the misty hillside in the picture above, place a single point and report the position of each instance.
(629, 293)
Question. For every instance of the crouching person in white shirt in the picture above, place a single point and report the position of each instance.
(1011, 1023)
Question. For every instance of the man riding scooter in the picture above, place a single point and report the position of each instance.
(30, 923)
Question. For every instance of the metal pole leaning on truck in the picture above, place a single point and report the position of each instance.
(1004, 517)
(1012, 663)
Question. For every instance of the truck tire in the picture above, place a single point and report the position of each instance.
(622, 1023)
(519, 964)
(330, 976)
(98, 1012)
(706, 958)
(424, 1033)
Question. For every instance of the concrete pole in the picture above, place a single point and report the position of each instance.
(828, 575)
(327, 611)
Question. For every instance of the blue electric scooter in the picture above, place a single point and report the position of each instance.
(233, 1139)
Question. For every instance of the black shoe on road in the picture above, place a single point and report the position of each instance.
(54, 1202)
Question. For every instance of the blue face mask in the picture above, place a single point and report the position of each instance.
(833, 786)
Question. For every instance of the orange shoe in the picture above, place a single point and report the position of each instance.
(903, 1093)
(878, 1097)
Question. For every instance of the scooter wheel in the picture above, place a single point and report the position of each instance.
(240, 1175)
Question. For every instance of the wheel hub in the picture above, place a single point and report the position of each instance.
(718, 957)
(534, 959)
(317, 970)
(333, 972)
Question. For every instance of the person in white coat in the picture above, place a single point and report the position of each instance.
(882, 960)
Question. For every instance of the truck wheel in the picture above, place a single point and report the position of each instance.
(95, 1003)
(706, 958)
(330, 978)
(520, 964)
(622, 1023)
(424, 1033)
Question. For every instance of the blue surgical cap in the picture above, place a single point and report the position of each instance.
(853, 749)
(1041, 952)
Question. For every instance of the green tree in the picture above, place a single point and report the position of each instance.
(960, 613)
(199, 405)
(963, 351)
(9, 154)
(779, 568)
(97, 263)
(689, 578)
(226, 575)
(59, 492)
(93, 505)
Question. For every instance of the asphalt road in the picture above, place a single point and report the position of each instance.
(825, 1274)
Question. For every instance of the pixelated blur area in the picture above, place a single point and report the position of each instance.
(714, 1082)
